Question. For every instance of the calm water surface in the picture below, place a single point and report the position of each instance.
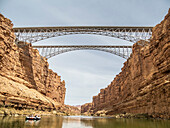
(81, 122)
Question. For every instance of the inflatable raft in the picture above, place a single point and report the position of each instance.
(33, 118)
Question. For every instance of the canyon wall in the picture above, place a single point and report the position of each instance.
(25, 78)
(143, 85)
(86, 108)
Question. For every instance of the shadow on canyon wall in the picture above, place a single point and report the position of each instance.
(26, 62)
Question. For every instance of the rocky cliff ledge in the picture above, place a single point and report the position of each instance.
(86, 109)
(143, 85)
(25, 78)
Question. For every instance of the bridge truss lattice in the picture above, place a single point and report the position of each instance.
(34, 34)
(50, 51)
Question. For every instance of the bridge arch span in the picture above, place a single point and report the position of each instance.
(34, 34)
(50, 51)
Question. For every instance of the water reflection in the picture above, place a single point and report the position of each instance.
(74, 122)
(10, 122)
(32, 122)
(20, 122)
(80, 122)
(126, 123)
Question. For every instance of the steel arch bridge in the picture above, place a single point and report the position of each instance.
(34, 34)
(50, 51)
(131, 34)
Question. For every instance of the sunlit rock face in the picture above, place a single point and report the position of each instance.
(25, 78)
(143, 85)
(86, 109)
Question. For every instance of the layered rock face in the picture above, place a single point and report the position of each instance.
(25, 78)
(37, 72)
(71, 110)
(143, 85)
(86, 108)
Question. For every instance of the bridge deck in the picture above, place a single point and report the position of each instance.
(83, 46)
(39, 29)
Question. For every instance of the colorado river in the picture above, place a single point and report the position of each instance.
(81, 122)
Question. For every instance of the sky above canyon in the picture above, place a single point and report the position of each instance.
(85, 72)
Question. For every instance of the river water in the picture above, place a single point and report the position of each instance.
(81, 122)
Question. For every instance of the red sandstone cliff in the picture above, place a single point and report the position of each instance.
(25, 78)
(143, 85)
